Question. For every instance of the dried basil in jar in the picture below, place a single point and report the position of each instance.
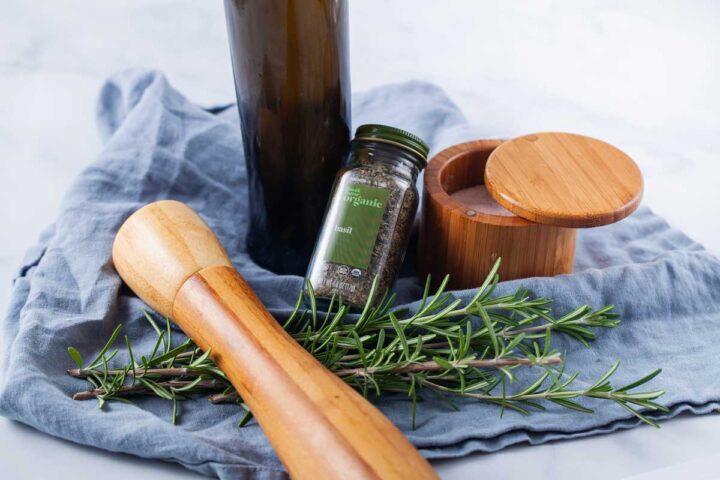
(369, 216)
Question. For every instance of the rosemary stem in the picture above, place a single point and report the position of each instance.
(543, 395)
(507, 398)
(223, 397)
(434, 366)
(139, 371)
(141, 389)
(429, 366)
(534, 329)
(462, 312)
(538, 328)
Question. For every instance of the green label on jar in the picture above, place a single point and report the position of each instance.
(355, 225)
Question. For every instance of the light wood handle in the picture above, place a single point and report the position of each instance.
(318, 425)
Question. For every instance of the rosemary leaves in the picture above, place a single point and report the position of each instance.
(384, 350)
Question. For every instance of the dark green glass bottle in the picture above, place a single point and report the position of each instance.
(290, 63)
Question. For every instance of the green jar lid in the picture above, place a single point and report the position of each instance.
(395, 136)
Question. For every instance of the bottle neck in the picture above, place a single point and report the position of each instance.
(398, 160)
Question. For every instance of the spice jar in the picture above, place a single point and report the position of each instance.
(369, 216)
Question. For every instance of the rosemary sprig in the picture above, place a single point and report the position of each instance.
(444, 346)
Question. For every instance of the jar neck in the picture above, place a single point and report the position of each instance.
(398, 160)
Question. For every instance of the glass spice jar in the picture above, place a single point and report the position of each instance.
(369, 216)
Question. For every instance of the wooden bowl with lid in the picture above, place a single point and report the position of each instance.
(521, 200)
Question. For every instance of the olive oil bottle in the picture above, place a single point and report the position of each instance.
(290, 63)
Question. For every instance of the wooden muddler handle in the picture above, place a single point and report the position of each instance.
(318, 425)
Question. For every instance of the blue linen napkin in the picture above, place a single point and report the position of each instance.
(159, 145)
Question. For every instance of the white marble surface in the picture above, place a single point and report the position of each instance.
(643, 75)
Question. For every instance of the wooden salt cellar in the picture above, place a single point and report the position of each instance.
(550, 184)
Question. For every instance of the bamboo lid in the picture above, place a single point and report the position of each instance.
(564, 179)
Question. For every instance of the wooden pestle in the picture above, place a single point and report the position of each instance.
(319, 426)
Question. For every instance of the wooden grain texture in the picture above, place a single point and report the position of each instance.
(465, 243)
(564, 179)
(159, 247)
(318, 425)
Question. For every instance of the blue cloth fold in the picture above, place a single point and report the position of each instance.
(159, 145)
